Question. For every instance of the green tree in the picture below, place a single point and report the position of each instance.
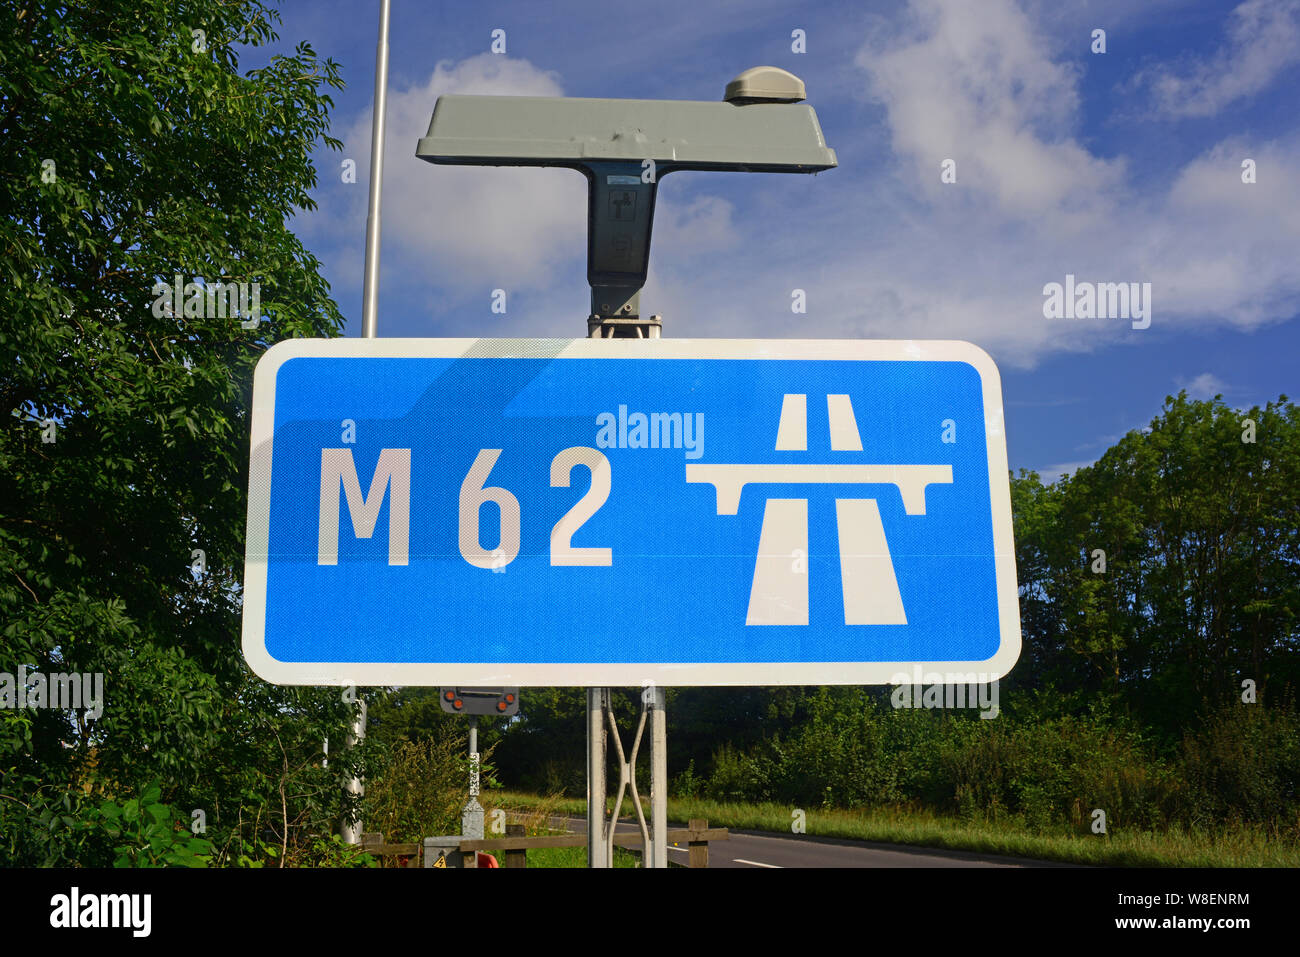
(138, 153)
(1045, 657)
(1199, 519)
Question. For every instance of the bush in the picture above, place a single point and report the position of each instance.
(739, 777)
(688, 784)
(1244, 766)
(1057, 772)
(1045, 768)
(70, 830)
(422, 789)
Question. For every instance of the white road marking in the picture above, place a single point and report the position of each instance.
(741, 860)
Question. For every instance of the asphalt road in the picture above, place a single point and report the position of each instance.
(763, 850)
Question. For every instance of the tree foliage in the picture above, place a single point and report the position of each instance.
(1198, 518)
(137, 151)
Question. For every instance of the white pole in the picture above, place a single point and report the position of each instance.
(471, 815)
(370, 292)
(597, 853)
(351, 833)
(659, 779)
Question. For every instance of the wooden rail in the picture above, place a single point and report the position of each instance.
(696, 836)
(372, 842)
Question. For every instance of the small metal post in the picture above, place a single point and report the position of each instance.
(600, 844)
(596, 847)
(471, 816)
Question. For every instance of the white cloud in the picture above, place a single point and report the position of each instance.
(462, 230)
(888, 251)
(1263, 39)
(974, 83)
(1223, 248)
(1205, 386)
(701, 224)
(469, 229)
(882, 248)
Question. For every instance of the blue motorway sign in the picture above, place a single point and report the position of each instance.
(612, 512)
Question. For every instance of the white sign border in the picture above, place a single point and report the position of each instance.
(603, 674)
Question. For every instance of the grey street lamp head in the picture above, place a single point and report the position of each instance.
(624, 147)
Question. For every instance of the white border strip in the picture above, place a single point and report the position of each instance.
(621, 674)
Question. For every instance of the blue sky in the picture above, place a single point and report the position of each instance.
(1123, 166)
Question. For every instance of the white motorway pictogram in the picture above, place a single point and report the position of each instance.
(779, 593)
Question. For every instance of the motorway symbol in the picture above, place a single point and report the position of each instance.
(779, 593)
(602, 512)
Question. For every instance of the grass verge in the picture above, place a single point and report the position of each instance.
(1230, 846)
(568, 857)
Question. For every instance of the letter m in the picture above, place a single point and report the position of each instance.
(392, 474)
(116, 910)
(1115, 297)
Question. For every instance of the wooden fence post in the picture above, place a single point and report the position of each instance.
(699, 850)
(369, 840)
(515, 858)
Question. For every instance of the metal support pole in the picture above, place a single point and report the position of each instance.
(597, 700)
(653, 705)
(370, 291)
(600, 850)
(351, 832)
(659, 779)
